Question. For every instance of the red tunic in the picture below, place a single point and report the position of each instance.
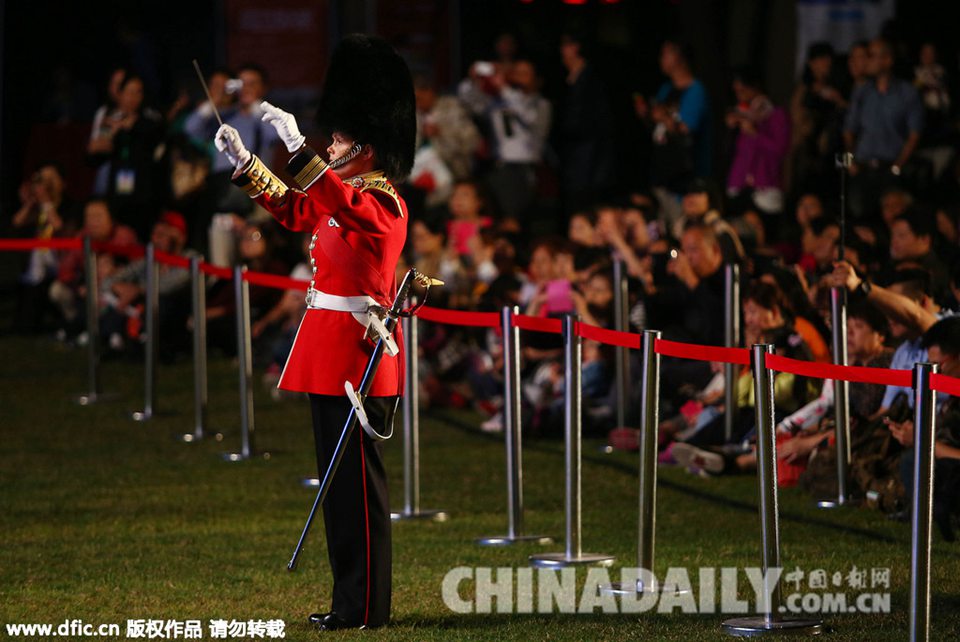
(330, 347)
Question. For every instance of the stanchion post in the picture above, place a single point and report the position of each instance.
(922, 514)
(649, 418)
(841, 400)
(573, 554)
(151, 347)
(513, 437)
(621, 311)
(770, 620)
(731, 339)
(411, 430)
(245, 357)
(198, 296)
(93, 394)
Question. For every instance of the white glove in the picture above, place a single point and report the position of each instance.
(228, 141)
(286, 126)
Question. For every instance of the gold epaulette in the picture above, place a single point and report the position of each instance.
(377, 182)
(256, 179)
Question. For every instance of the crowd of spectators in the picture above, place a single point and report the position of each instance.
(516, 199)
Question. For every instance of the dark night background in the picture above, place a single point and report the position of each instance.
(57, 55)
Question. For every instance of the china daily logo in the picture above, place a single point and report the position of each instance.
(719, 590)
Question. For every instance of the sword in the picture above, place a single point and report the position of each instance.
(393, 315)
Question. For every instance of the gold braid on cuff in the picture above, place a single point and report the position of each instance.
(256, 179)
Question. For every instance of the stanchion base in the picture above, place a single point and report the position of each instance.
(839, 502)
(192, 438)
(142, 415)
(432, 515)
(242, 457)
(507, 540)
(639, 588)
(561, 560)
(310, 482)
(747, 627)
(89, 399)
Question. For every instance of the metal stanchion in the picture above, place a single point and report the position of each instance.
(198, 292)
(731, 339)
(245, 356)
(411, 432)
(621, 311)
(769, 620)
(649, 411)
(922, 515)
(512, 433)
(572, 365)
(841, 399)
(151, 347)
(93, 394)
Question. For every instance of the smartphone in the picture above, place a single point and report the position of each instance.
(559, 298)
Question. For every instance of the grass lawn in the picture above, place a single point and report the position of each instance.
(104, 519)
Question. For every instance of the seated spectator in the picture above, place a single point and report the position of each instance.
(257, 251)
(470, 212)
(911, 246)
(762, 142)
(700, 204)
(69, 289)
(908, 303)
(942, 343)
(123, 291)
(45, 212)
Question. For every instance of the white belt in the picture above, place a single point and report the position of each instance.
(318, 300)
(362, 307)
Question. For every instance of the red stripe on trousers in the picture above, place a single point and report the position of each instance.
(366, 515)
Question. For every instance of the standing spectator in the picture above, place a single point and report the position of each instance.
(763, 139)
(816, 111)
(444, 124)
(101, 134)
(930, 79)
(858, 60)
(246, 119)
(584, 130)
(135, 186)
(882, 129)
(519, 119)
(680, 117)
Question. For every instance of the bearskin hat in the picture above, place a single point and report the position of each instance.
(368, 95)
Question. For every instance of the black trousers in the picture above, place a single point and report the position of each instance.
(356, 512)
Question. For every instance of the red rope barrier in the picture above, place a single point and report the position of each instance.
(739, 356)
(857, 374)
(609, 337)
(274, 281)
(459, 317)
(129, 251)
(21, 245)
(943, 383)
(217, 271)
(537, 324)
(175, 260)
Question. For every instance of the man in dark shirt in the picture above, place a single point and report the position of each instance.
(882, 128)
